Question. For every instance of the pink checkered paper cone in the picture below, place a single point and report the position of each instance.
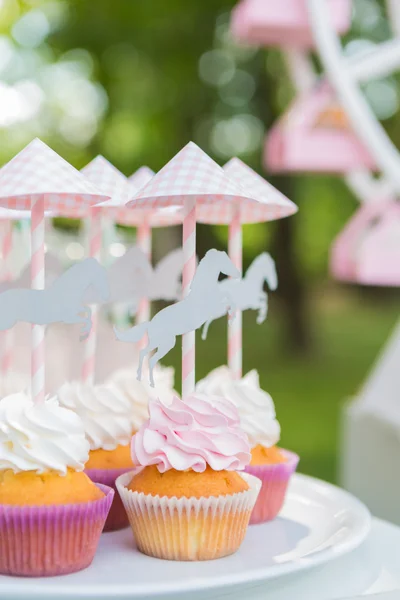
(191, 180)
(141, 177)
(367, 251)
(114, 184)
(315, 136)
(138, 180)
(271, 205)
(36, 180)
(283, 23)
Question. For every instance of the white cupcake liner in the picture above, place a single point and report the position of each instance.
(188, 528)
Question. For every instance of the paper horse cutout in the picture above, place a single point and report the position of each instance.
(132, 277)
(248, 293)
(205, 300)
(61, 302)
(125, 275)
(53, 269)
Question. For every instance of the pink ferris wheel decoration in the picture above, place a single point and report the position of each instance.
(283, 22)
(315, 136)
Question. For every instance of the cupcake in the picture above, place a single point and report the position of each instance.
(187, 500)
(108, 422)
(272, 465)
(51, 513)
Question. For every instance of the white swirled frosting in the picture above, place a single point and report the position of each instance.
(139, 393)
(255, 407)
(40, 437)
(106, 413)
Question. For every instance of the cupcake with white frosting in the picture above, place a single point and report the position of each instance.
(51, 513)
(273, 465)
(109, 423)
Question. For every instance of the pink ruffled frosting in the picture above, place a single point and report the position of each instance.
(191, 434)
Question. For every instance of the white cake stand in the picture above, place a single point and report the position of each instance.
(319, 522)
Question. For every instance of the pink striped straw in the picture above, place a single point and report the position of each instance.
(144, 243)
(95, 243)
(235, 343)
(37, 283)
(8, 335)
(138, 180)
(189, 269)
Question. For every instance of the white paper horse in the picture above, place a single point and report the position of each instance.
(61, 302)
(248, 292)
(52, 269)
(132, 277)
(205, 300)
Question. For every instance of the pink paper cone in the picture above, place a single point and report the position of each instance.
(117, 517)
(42, 541)
(274, 482)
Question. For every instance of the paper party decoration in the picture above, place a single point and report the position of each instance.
(145, 219)
(205, 299)
(248, 293)
(53, 269)
(283, 22)
(115, 185)
(315, 136)
(132, 277)
(38, 179)
(138, 180)
(270, 205)
(368, 249)
(191, 180)
(62, 302)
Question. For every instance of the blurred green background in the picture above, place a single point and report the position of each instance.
(135, 81)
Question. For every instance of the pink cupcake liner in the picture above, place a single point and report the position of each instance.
(117, 517)
(42, 541)
(274, 482)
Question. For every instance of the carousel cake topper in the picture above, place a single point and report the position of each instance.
(194, 184)
(205, 301)
(38, 180)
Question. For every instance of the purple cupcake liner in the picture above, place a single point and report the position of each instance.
(274, 479)
(42, 541)
(117, 517)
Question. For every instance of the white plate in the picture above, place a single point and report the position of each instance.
(319, 522)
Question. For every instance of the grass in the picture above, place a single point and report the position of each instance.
(308, 391)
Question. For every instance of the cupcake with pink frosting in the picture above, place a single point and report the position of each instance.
(189, 500)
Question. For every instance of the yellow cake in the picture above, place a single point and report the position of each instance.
(119, 458)
(28, 488)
